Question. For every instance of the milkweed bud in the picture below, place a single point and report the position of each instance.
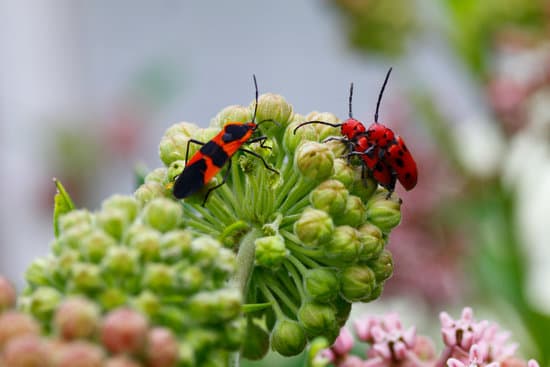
(372, 241)
(344, 244)
(344, 173)
(292, 139)
(26, 351)
(321, 284)
(162, 214)
(204, 250)
(43, 302)
(112, 221)
(159, 175)
(174, 170)
(96, 244)
(233, 334)
(354, 213)
(74, 218)
(314, 161)
(384, 213)
(76, 318)
(127, 204)
(272, 107)
(330, 196)
(159, 277)
(38, 273)
(162, 348)
(121, 261)
(357, 282)
(270, 251)
(13, 324)
(324, 131)
(80, 354)
(147, 244)
(314, 227)
(112, 298)
(86, 277)
(317, 319)
(175, 245)
(124, 331)
(173, 145)
(363, 187)
(148, 191)
(382, 266)
(256, 344)
(121, 361)
(147, 303)
(288, 338)
(235, 113)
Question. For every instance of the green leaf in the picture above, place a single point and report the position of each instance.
(62, 205)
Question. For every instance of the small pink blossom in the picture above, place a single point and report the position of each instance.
(463, 332)
(343, 343)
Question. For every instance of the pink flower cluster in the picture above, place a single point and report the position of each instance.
(468, 343)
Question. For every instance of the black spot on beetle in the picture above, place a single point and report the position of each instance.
(400, 162)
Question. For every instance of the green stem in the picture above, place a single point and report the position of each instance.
(245, 260)
(296, 277)
(274, 286)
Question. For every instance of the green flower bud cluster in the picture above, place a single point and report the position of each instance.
(140, 256)
(310, 240)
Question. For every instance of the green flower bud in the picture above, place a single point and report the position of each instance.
(235, 113)
(73, 236)
(272, 107)
(74, 218)
(338, 148)
(317, 319)
(384, 213)
(344, 172)
(225, 264)
(344, 245)
(172, 315)
(112, 298)
(43, 302)
(127, 204)
(364, 187)
(204, 250)
(375, 294)
(147, 303)
(330, 196)
(354, 214)
(121, 261)
(372, 241)
(192, 278)
(159, 277)
(173, 145)
(148, 191)
(38, 273)
(158, 175)
(382, 266)
(186, 355)
(206, 135)
(63, 265)
(216, 306)
(174, 170)
(256, 344)
(291, 139)
(147, 244)
(324, 131)
(234, 334)
(86, 277)
(95, 246)
(314, 161)
(357, 282)
(162, 214)
(321, 285)
(314, 227)
(112, 221)
(343, 309)
(315, 359)
(288, 338)
(175, 245)
(201, 340)
(270, 251)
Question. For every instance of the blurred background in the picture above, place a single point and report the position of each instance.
(88, 88)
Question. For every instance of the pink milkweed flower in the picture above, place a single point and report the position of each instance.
(494, 344)
(476, 359)
(463, 332)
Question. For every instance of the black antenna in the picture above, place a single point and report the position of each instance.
(256, 104)
(350, 97)
(380, 95)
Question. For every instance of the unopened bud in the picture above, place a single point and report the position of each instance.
(344, 244)
(372, 241)
(76, 318)
(121, 261)
(344, 172)
(86, 277)
(173, 145)
(292, 137)
(26, 351)
(321, 284)
(314, 227)
(314, 161)
(330, 196)
(74, 218)
(121, 361)
(175, 244)
(162, 214)
(147, 244)
(357, 282)
(158, 175)
(234, 334)
(192, 278)
(38, 273)
(124, 331)
(215, 306)
(288, 338)
(147, 303)
(175, 169)
(127, 204)
(96, 244)
(317, 319)
(363, 187)
(162, 348)
(272, 107)
(113, 221)
(204, 250)
(112, 298)
(80, 354)
(384, 213)
(44, 301)
(324, 131)
(354, 214)
(148, 191)
(270, 251)
(235, 113)
(13, 324)
(256, 344)
(382, 266)
(159, 277)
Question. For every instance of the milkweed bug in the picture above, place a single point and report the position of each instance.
(382, 152)
(214, 154)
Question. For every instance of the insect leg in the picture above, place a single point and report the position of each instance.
(262, 140)
(261, 158)
(188, 144)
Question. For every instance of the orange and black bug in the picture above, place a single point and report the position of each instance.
(213, 155)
